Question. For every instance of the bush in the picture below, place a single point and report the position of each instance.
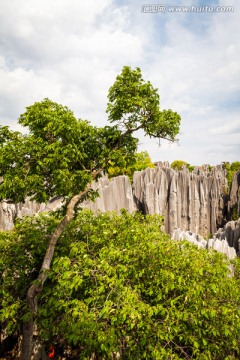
(119, 284)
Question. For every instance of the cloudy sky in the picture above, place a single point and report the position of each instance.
(71, 52)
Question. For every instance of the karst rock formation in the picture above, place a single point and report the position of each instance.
(213, 243)
(194, 201)
(198, 201)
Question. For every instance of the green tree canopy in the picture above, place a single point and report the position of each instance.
(118, 284)
(135, 104)
(59, 155)
(231, 169)
(178, 164)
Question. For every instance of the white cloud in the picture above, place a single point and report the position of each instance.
(68, 52)
(198, 75)
(227, 128)
(71, 52)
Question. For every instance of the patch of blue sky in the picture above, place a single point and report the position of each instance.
(197, 23)
(231, 102)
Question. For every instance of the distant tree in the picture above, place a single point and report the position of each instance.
(235, 166)
(61, 156)
(178, 165)
(231, 169)
(140, 162)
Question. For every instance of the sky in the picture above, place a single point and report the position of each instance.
(71, 51)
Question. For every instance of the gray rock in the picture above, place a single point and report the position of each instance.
(9, 211)
(189, 236)
(214, 243)
(196, 201)
(8, 214)
(114, 195)
(190, 201)
(231, 232)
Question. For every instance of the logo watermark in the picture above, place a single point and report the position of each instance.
(161, 8)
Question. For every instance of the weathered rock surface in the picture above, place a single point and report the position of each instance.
(9, 211)
(214, 243)
(191, 201)
(7, 215)
(231, 232)
(196, 201)
(114, 195)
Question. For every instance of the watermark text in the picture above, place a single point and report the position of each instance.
(161, 8)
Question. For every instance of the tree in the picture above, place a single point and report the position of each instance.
(62, 155)
(134, 104)
(231, 169)
(178, 164)
(140, 161)
(119, 285)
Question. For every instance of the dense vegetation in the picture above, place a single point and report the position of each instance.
(118, 284)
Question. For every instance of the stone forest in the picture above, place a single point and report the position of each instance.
(198, 206)
(201, 201)
(106, 259)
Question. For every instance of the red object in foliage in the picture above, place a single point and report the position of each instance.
(51, 354)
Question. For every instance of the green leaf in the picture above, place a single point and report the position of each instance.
(196, 344)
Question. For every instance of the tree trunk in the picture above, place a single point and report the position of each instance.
(37, 286)
(27, 340)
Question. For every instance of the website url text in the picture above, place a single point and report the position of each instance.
(158, 8)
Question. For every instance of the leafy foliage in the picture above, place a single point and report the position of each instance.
(178, 164)
(231, 169)
(118, 284)
(140, 162)
(59, 154)
(134, 103)
(22, 250)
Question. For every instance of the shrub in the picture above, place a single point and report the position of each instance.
(119, 284)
